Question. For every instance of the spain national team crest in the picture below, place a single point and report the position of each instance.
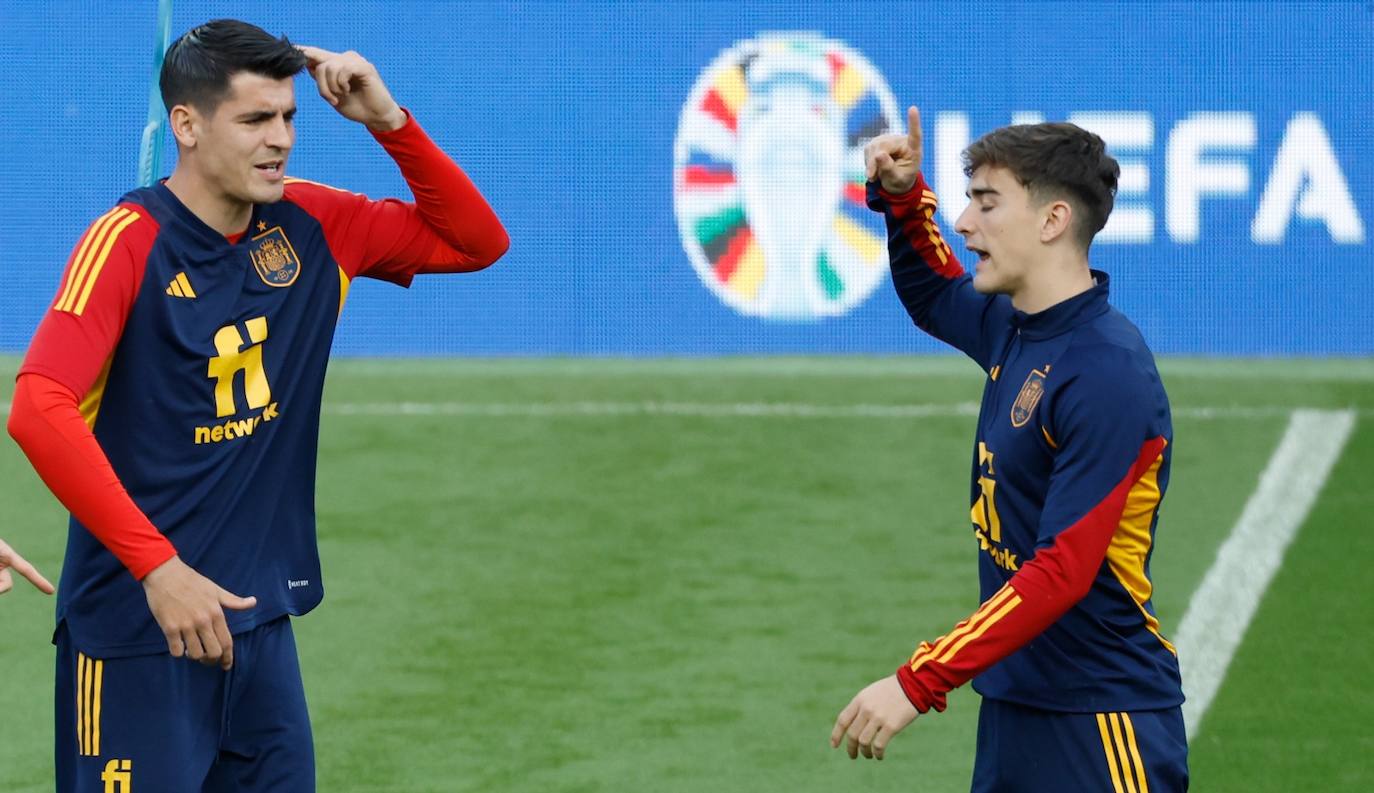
(768, 178)
(1025, 403)
(274, 258)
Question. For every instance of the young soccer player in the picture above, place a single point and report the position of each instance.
(171, 399)
(1080, 689)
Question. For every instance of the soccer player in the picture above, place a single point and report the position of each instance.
(11, 560)
(1080, 689)
(171, 399)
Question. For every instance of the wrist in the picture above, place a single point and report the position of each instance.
(156, 573)
(917, 692)
(392, 121)
(914, 191)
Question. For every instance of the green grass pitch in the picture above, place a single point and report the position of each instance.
(566, 597)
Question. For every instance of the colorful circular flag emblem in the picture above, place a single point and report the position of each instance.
(768, 181)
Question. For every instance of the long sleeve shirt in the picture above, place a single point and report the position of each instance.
(170, 397)
(1069, 468)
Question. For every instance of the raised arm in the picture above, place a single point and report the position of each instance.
(929, 280)
(449, 228)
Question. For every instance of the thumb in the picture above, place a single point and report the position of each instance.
(229, 600)
(882, 161)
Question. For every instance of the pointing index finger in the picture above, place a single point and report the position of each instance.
(22, 567)
(314, 55)
(913, 126)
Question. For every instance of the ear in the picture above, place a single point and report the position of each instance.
(1055, 219)
(185, 123)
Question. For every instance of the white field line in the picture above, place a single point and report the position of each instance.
(732, 410)
(1223, 605)
(1225, 602)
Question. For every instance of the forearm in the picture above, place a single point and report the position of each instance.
(46, 423)
(1057, 577)
(447, 202)
(1009, 620)
(923, 266)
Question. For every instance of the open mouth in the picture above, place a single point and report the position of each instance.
(979, 252)
(272, 169)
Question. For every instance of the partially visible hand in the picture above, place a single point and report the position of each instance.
(9, 558)
(872, 717)
(352, 85)
(190, 610)
(896, 159)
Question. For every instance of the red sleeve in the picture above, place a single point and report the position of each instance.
(71, 348)
(78, 334)
(1039, 594)
(47, 424)
(449, 228)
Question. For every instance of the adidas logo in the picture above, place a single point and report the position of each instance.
(181, 287)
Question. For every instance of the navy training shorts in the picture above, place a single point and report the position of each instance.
(159, 724)
(1024, 749)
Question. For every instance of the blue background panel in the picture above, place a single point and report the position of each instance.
(565, 114)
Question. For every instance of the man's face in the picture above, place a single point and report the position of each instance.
(241, 148)
(1002, 227)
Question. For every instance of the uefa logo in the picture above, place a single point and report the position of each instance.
(768, 179)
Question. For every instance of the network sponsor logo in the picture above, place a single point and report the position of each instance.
(235, 428)
(769, 176)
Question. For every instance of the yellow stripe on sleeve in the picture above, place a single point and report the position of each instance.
(100, 261)
(959, 629)
(937, 241)
(1113, 770)
(96, 231)
(927, 652)
(987, 623)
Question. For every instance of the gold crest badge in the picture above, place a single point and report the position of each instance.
(1025, 403)
(274, 258)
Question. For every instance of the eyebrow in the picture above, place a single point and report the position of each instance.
(979, 192)
(263, 115)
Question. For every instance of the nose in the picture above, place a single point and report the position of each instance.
(964, 225)
(280, 134)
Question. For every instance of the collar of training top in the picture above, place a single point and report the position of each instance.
(1067, 314)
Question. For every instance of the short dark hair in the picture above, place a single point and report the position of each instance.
(198, 66)
(1054, 160)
